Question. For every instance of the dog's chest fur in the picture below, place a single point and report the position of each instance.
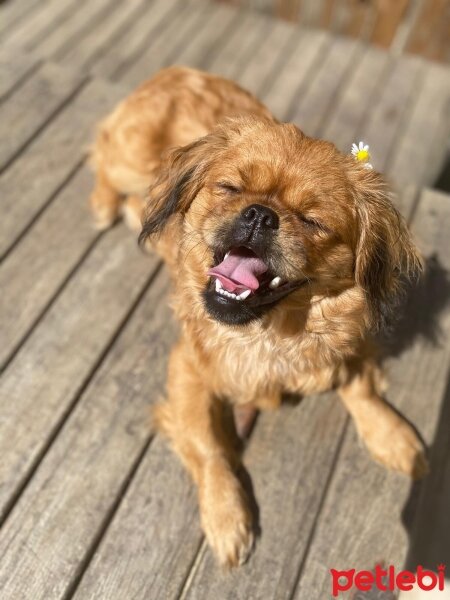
(252, 365)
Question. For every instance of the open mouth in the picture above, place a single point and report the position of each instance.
(242, 287)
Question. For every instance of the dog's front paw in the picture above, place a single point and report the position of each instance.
(398, 447)
(226, 520)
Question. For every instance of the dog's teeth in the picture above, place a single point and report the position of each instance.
(226, 255)
(275, 282)
(244, 295)
(228, 294)
(218, 285)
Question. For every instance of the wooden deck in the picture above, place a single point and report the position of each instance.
(92, 505)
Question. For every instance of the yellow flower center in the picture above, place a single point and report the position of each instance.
(362, 155)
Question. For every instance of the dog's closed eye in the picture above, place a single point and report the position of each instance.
(312, 223)
(225, 186)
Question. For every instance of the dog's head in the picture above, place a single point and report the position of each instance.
(265, 213)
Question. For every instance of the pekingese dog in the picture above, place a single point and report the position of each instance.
(286, 255)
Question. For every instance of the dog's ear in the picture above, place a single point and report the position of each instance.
(386, 257)
(181, 179)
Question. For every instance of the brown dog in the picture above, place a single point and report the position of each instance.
(285, 255)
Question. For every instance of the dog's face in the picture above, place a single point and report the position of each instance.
(267, 211)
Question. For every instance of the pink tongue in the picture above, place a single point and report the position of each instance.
(239, 271)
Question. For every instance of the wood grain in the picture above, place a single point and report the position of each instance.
(298, 70)
(60, 40)
(420, 149)
(31, 277)
(315, 106)
(383, 124)
(75, 488)
(204, 44)
(248, 34)
(355, 102)
(33, 104)
(44, 379)
(95, 41)
(13, 13)
(182, 30)
(41, 21)
(14, 67)
(156, 531)
(45, 165)
(113, 63)
(268, 58)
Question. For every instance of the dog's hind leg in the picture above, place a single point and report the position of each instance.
(105, 202)
(192, 418)
(133, 210)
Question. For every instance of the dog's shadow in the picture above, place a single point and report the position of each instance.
(425, 515)
(420, 313)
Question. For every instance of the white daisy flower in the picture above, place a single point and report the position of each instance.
(361, 153)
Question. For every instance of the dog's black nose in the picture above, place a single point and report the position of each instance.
(260, 217)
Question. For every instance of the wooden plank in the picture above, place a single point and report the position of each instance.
(97, 39)
(61, 40)
(268, 58)
(419, 151)
(162, 496)
(389, 17)
(49, 160)
(356, 99)
(27, 111)
(312, 109)
(381, 128)
(297, 71)
(362, 521)
(32, 274)
(243, 41)
(15, 66)
(426, 27)
(214, 27)
(180, 33)
(145, 30)
(75, 490)
(41, 384)
(12, 13)
(38, 24)
(430, 531)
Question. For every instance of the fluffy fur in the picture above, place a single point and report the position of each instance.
(339, 240)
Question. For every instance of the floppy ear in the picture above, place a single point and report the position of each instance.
(181, 178)
(386, 257)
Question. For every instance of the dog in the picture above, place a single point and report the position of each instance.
(286, 256)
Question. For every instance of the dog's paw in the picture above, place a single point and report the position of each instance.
(103, 219)
(227, 523)
(398, 447)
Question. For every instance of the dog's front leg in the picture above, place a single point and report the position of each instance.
(191, 418)
(390, 439)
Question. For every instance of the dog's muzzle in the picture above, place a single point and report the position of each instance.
(244, 284)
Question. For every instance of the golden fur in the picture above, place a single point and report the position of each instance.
(339, 234)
